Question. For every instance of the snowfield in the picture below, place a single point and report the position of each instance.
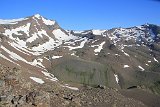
(100, 47)
(38, 80)
(12, 21)
(126, 66)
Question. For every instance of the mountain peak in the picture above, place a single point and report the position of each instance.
(38, 16)
(45, 20)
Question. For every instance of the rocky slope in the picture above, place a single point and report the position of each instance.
(42, 56)
(16, 91)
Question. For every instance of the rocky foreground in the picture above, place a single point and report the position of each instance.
(16, 92)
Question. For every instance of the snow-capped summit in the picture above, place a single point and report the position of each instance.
(37, 16)
(44, 20)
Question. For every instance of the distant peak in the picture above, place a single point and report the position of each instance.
(11, 21)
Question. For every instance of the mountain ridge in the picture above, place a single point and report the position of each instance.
(121, 58)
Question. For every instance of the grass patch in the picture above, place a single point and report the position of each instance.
(81, 71)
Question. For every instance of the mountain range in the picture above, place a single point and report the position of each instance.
(36, 55)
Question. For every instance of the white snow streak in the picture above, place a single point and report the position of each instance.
(142, 69)
(32, 38)
(13, 21)
(24, 29)
(116, 77)
(98, 32)
(38, 80)
(16, 57)
(84, 40)
(50, 76)
(51, 44)
(61, 36)
(48, 22)
(126, 66)
(125, 53)
(100, 47)
(38, 62)
(37, 16)
(4, 57)
(156, 60)
(13, 55)
(56, 57)
(72, 88)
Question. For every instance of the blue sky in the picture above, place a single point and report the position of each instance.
(86, 14)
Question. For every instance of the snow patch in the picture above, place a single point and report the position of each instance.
(38, 62)
(126, 66)
(98, 32)
(37, 35)
(83, 41)
(72, 88)
(4, 57)
(38, 80)
(125, 53)
(48, 22)
(116, 77)
(100, 47)
(13, 21)
(32, 38)
(142, 69)
(117, 55)
(155, 59)
(19, 48)
(61, 36)
(73, 54)
(13, 55)
(16, 57)
(49, 45)
(24, 29)
(56, 57)
(37, 16)
(50, 76)
(21, 45)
